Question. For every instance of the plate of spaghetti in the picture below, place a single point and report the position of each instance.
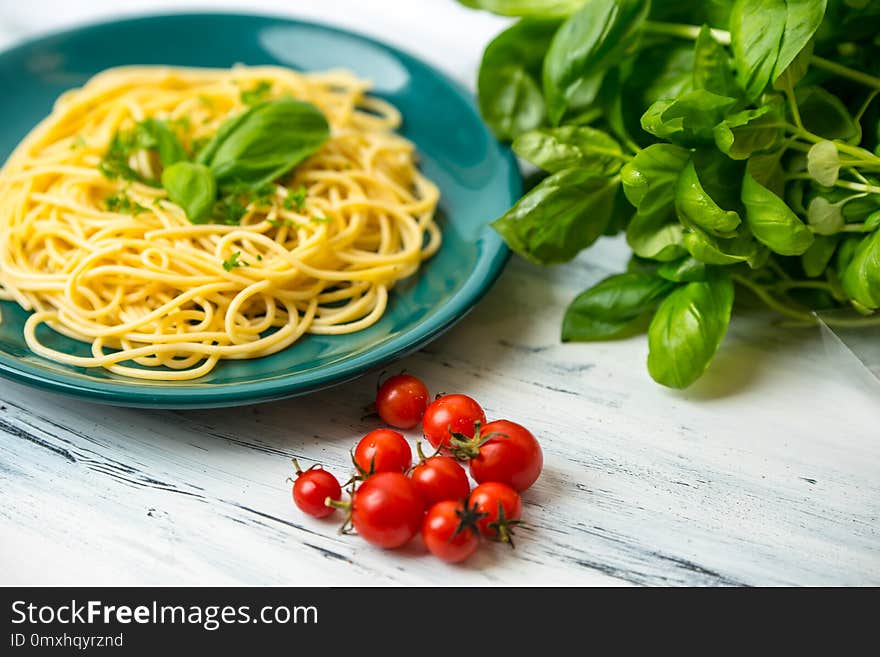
(259, 208)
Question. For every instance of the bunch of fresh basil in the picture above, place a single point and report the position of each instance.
(738, 151)
(248, 151)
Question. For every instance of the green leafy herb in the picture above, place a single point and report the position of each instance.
(562, 215)
(587, 44)
(156, 134)
(687, 330)
(228, 210)
(772, 222)
(613, 306)
(322, 220)
(264, 142)
(192, 187)
(696, 208)
(688, 120)
(735, 142)
(256, 93)
(122, 203)
(861, 279)
(508, 84)
(234, 261)
(745, 133)
(555, 149)
(295, 200)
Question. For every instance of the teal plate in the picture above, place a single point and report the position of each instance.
(478, 180)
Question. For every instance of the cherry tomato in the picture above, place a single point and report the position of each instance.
(401, 401)
(451, 413)
(502, 507)
(440, 478)
(382, 450)
(450, 532)
(387, 510)
(312, 487)
(512, 457)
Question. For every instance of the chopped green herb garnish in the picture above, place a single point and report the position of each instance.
(322, 220)
(257, 93)
(114, 164)
(259, 257)
(233, 261)
(295, 199)
(122, 203)
(149, 134)
(181, 124)
(78, 142)
(278, 223)
(229, 210)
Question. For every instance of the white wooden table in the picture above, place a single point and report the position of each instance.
(766, 472)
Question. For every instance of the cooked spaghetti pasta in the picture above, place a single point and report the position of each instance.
(109, 260)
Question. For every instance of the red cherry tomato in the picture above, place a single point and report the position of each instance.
(449, 531)
(502, 507)
(440, 478)
(387, 510)
(312, 487)
(401, 401)
(451, 413)
(512, 457)
(382, 450)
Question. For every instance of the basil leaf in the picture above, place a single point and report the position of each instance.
(192, 187)
(613, 306)
(687, 330)
(861, 279)
(657, 235)
(756, 28)
(154, 133)
(649, 184)
(684, 270)
(661, 72)
(745, 133)
(823, 163)
(815, 259)
(796, 70)
(555, 149)
(824, 217)
(802, 19)
(688, 120)
(696, 208)
(264, 142)
(845, 253)
(824, 114)
(562, 215)
(536, 8)
(508, 84)
(772, 222)
(711, 68)
(767, 169)
(587, 44)
(872, 221)
(649, 178)
(767, 35)
(723, 251)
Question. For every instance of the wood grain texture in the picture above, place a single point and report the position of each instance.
(766, 472)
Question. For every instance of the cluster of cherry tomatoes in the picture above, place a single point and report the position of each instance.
(392, 499)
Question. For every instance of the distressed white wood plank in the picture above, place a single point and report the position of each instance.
(765, 472)
(761, 485)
